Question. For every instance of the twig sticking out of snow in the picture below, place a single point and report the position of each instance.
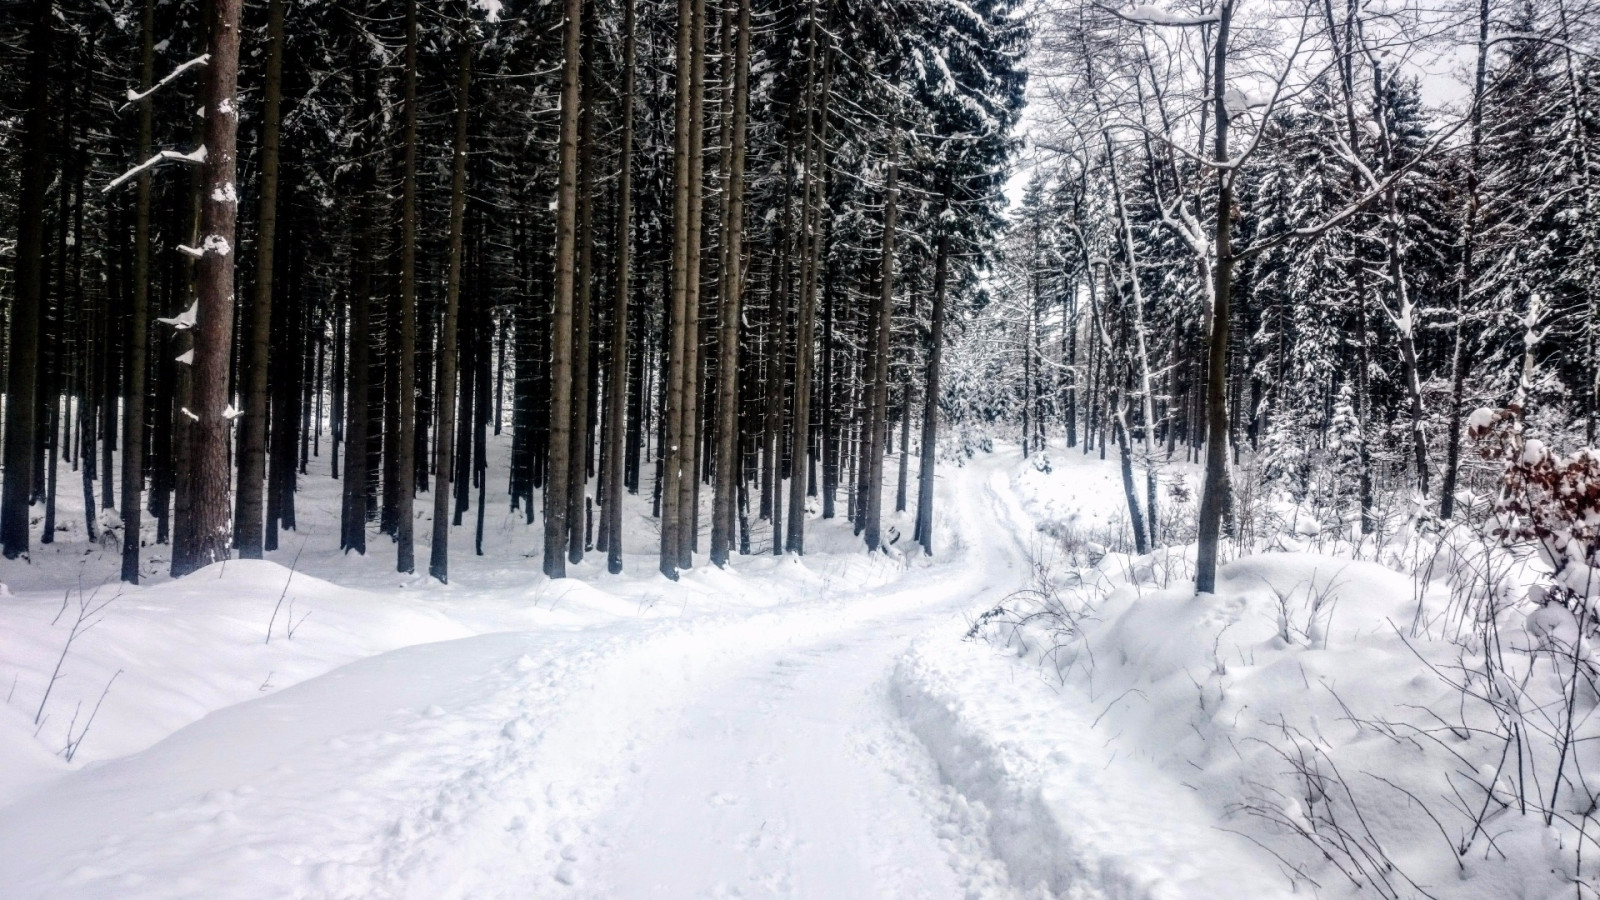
(291, 624)
(73, 743)
(293, 566)
(87, 610)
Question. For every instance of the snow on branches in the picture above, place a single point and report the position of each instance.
(196, 157)
(136, 96)
(1145, 14)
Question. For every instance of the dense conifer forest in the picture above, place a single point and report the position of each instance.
(703, 251)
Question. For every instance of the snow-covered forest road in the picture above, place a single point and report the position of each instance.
(774, 752)
(751, 754)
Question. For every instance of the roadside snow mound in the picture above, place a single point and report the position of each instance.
(143, 662)
(1069, 813)
(1303, 707)
(1340, 715)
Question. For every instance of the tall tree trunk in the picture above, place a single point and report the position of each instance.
(444, 429)
(1403, 314)
(639, 404)
(904, 460)
(53, 335)
(337, 379)
(583, 292)
(1214, 494)
(162, 444)
(1129, 490)
(358, 352)
(181, 348)
(284, 370)
(206, 539)
(617, 379)
(880, 378)
(405, 510)
(830, 393)
(87, 419)
(729, 475)
(138, 316)
(27, 301)
(1141, 349)
(466, 373)
(930, 397)
(1459, 364)
(389, 425)
(253, 425)
(558, 462)
(775, 345)
(501, 327)
(810, 246)
(116, 282)
(481, 382)
(1069, 357)
(689, 410)
(771, 372)
(672, 448)
(1027, 360)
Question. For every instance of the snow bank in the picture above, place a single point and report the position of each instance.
(165, 655)
(1308, 713)
(1068, 813)
(1325, 709)
(174, 651)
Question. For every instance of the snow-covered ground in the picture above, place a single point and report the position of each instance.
(815, 728)
(1336, 713)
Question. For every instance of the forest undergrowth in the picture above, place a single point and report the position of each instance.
(1401, 710)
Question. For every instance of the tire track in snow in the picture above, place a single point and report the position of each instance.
(1067, 812)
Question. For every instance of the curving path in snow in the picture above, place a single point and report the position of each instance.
(758, 754)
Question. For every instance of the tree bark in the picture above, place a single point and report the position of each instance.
(729, 474)
(207, 537)
(27, 301)
(689, 409)
(583, 292)
(1142, 349)
(406, 476)
(358, 351)
(1459, 364)
(880, 379)
(810, 243)
(247, 521)
(138, 317)
(1214, 494)
(671, 425)
(285, 373)
(930, 398)
(439, 551)
(617, 379)
(558, 477)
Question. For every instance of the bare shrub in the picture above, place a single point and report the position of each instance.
(1056, 605)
